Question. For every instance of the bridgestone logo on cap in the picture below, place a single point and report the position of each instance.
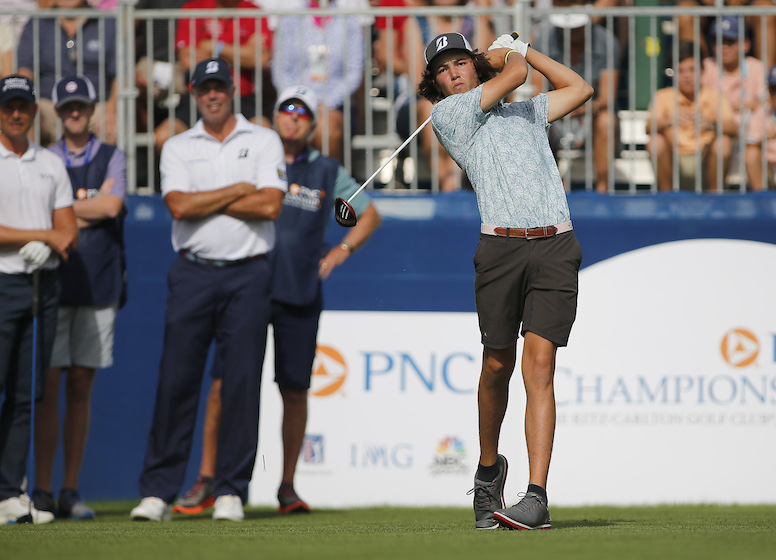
(212, 67)
(441, 43)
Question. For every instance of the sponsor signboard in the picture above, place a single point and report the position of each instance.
(666, 393)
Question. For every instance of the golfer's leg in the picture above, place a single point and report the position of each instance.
(538, 371)
(78, 388)
(207, 467)
(492, 397)
(240, 341)
(187, 335)
(293, 429)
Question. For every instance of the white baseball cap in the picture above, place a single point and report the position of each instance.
(569, 21)
(303, 94)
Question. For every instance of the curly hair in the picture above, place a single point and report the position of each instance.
(429, 89)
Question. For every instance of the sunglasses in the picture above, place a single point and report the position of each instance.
(301, 111)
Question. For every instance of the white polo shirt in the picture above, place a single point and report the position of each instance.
(31, 188)
(194, 161)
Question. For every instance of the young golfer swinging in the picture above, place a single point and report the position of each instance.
(528, 258)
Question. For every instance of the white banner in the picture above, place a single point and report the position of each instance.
(666, 393)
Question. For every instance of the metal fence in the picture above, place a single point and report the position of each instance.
(385, 106)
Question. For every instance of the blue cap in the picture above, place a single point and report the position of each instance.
(16, 86)
(211, 69)
(73, 88)
(772, 77)
(728, 25)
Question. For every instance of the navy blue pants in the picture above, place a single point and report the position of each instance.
(16, 349)
(231, 307)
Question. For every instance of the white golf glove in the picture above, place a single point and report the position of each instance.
(35, 253)
(506, 41)
(503, 42)
(520, 46)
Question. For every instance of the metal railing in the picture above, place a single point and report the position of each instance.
(646, 36)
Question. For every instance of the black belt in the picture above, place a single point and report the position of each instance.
(218, 263)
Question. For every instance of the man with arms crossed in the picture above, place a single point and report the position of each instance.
(223, 181)
(528, 258)
(37, 223)
(300, 261)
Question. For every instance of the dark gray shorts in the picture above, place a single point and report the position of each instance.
(532, 282)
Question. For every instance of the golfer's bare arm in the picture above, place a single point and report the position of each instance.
(571, 90)
(193, 206)
(264, 204)
(62, 237)
(512, 75)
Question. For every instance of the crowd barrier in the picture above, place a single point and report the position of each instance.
(667, 387)
(646, 36)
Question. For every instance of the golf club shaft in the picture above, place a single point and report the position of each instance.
(31, 455)
(390, 159)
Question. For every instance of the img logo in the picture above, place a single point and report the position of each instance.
(740, 348)
(329, 372)
(312, 449)
(449, 458)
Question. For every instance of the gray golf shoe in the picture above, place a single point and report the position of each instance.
(489, 497)
(529, 513)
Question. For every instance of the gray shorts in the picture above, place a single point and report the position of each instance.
(84, 336)
(533, 282)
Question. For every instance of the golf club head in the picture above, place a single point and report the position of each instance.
(344, 213)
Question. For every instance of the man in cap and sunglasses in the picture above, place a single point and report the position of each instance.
(37, 224)
(528, 259)
(300, 261)
(223, 181)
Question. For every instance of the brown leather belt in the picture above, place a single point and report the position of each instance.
(217, 263)
(527, 233)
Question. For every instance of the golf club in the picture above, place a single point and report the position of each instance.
(343, 211)
(31, 453)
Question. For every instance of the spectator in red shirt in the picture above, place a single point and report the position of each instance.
(216, 37)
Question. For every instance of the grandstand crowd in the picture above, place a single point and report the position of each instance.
(365, 65)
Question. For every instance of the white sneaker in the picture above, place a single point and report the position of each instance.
(152, 509)
(229, 508)
(15, 510)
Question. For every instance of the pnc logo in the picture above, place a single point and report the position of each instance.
(740, 348)
(329, 372)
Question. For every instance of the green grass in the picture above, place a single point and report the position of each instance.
(663, 533)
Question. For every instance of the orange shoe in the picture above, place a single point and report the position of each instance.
(290, 502)
(198, 499)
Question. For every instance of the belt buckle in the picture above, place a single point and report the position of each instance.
(529, 233)
(541, 232)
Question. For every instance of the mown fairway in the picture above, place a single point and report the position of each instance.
(681, 532)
